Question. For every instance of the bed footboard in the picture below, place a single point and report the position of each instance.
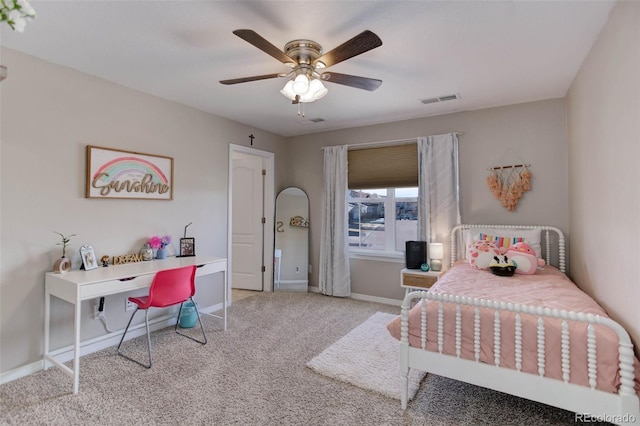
(621, 407)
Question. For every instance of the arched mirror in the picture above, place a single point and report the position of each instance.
(291, 255)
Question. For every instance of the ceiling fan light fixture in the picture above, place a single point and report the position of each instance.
(317, 89)
(287, 90)
(301, 84)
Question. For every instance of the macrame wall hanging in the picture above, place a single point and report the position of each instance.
(509, 183)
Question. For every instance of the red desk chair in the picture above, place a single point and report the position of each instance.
(169, 287)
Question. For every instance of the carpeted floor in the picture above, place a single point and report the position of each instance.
(253, 374)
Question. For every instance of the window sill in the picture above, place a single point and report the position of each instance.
(380, 257)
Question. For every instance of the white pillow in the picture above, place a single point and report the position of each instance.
(531, 236)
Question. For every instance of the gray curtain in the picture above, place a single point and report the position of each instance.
(334, 274)
(438, 190)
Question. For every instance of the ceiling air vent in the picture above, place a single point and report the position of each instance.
(440, 99)
(309, 121)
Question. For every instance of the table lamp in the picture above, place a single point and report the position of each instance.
(436, 253)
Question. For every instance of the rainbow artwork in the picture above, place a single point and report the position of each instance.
(129, 167)
(128, 176)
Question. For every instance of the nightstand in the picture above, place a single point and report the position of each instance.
(415, 279)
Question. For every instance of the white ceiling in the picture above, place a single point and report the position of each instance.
(490, 53)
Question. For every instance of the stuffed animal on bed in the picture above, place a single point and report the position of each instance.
(502, 266)
(481, 253)
(524, 258)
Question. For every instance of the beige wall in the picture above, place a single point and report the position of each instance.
(49, 114)
(604, 180)
(532, 132)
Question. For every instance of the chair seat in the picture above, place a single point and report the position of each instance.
(142, 301)
(145, 302)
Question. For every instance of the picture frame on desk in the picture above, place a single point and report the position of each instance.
(187, 247)
(88, 257)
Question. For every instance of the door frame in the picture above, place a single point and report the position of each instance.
(268, 163)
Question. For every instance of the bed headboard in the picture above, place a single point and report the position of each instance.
(550, 238)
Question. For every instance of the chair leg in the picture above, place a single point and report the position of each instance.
(146, 321)
(204, 341)
(127, 328)
(178, 320)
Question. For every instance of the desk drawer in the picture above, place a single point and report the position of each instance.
(416, 280)
(211, 268)
(105, 288)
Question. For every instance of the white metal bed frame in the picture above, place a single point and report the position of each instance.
(620, 408)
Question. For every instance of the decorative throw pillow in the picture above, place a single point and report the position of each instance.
(530, 236)
(481, 253)
(524, 258)
(503, 242)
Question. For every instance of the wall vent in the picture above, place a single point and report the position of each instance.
(440, 99)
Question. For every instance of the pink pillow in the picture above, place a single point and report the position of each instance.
(480, 253)
(524, 257)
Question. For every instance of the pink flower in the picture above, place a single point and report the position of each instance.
(157, 242)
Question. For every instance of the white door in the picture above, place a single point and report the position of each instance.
(247, 224)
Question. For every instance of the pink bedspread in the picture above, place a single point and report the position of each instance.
(549, 288)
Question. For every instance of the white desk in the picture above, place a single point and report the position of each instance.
(76, 286)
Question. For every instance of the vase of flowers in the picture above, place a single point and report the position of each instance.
(160, 245)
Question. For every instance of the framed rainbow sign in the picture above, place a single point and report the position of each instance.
(113, 173)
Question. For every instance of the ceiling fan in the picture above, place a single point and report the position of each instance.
(307, 62)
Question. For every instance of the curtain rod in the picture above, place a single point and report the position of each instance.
(386, 143)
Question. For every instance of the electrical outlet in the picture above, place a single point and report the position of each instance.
(129, 306)
(96, 312)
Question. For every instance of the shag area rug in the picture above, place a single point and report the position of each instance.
(367, 357)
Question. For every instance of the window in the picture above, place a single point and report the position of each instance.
(383, 199)
(381, 220)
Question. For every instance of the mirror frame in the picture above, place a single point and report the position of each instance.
(292, 225)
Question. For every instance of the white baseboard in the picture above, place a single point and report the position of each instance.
(23, 371)
(375, 299)
(365, 297)
(97, 344)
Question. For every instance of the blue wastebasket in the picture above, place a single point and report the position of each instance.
(188, 316)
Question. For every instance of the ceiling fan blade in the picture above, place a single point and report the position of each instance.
(365, 83)
(261, 43)
(361, 43)
(253, 78)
